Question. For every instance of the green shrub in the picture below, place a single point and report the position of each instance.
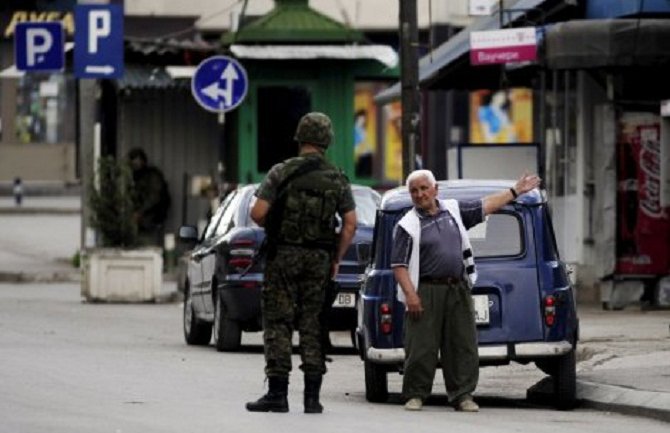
(111, 204)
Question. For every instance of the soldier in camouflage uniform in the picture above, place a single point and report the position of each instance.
(297, 203)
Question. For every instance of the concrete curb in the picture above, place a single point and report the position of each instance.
(39, 210)
(629, 401)
(73, 276)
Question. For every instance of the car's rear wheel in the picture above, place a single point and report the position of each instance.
(227, 332)
(376, 383)
(565, 381)
(196, 332)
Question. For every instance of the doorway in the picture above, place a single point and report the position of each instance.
(279, 110)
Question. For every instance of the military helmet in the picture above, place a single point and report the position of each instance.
(315, 128)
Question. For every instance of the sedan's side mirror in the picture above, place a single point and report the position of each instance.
(188, 234)
(363, 253)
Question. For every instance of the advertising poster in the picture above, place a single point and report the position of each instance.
(365, 127)
(643, 228)
(503, 116)
(393, 138)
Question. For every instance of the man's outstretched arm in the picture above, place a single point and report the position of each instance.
(491, 203)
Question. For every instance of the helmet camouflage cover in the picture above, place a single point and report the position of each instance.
(315, 128)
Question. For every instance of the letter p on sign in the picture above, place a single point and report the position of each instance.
(99, 24)
(39, 42)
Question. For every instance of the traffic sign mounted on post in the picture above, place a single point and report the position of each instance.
(39, 46)
(98, 41)
(219, 84)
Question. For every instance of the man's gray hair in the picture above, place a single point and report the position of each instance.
(416, 174)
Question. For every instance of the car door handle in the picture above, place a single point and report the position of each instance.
(201, 255)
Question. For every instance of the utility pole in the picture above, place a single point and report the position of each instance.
(409, 79)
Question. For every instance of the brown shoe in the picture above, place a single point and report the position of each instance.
(467, 405)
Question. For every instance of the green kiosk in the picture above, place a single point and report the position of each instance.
(299, 60)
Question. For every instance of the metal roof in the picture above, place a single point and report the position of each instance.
(381, 53)
(293, 21)
(148, 77)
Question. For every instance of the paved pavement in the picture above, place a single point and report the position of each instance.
(623, 356)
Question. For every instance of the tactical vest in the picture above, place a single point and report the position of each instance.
(307, 207)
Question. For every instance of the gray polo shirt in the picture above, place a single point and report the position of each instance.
(440, 253)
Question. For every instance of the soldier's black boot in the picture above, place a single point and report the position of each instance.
(312, 389)
(275, 399)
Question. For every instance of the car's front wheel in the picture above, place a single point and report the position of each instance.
(376, 383)
(227, 332)
(196, 332)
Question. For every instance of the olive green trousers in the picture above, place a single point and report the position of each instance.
(446, 328)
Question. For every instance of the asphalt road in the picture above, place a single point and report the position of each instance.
(67, 366)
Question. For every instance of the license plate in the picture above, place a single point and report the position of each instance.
(345, 300)
(481, 303)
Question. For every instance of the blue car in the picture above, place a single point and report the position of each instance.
(222, 286)
(524, 302)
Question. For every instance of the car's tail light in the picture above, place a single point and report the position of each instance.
(241, 254)
(249, 284)
(385, 318)
(549, 310)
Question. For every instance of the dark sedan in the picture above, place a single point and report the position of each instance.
(220, 299)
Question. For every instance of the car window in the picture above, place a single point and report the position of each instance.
(367, 202)
(227, 221)
(549, 240)
(216, 218)
(500, 235)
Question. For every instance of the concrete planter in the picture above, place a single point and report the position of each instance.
(116, 275)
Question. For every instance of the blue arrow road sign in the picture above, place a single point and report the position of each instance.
(98, 41)
(39, 46)
(219, 84)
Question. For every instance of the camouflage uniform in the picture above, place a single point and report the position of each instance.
(298, 268)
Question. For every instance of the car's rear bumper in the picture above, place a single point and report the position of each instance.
(519, 351)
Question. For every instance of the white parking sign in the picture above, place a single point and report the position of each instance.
(98, 41)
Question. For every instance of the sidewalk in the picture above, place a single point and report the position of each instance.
(39, 239)
(623, 356)
(624, 361)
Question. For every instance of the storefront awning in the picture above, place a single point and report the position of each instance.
(583, 44)
(455, 50)
(381, 53)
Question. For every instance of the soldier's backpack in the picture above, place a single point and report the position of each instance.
(307, 209)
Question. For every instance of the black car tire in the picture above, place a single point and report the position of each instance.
(196, 332)
(565, 381)
(376, 383)
(227, 332)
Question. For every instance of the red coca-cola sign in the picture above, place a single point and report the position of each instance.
(642, 223)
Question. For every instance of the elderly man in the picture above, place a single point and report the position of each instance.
(433, 264)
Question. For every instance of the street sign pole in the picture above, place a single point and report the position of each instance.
(409, 79)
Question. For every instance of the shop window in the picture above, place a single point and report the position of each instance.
(279, 110)
(45, 109)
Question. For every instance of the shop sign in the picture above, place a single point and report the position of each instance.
(503, 46)
(18, 17)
